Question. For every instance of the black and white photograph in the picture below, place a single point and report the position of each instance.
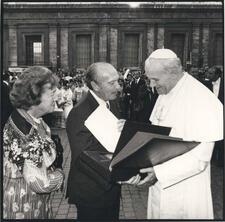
(112, 111)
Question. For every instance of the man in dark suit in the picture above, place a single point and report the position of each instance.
(140, 99)
(94, 200)
(214, 81)
(215, 77)
(149, 100)
(7, 107)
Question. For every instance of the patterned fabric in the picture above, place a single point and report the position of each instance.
(19, 201)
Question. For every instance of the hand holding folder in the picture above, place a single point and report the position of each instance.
(140, 145)
(146, 149)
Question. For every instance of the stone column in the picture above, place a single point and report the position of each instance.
(160, 36)
(12, 46)
(6, 47)
(113, 46)
(53, 45)
(103, 43)
(195, 45)
(205, 43)
(150, 39)
(64, 47)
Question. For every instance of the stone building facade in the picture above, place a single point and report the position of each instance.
(73, 35)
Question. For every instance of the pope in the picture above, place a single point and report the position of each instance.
(180, 188)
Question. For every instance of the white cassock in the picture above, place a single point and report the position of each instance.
(183, 189)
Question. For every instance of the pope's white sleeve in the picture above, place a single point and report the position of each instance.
(184, 166)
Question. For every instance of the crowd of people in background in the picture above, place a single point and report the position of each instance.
(136, 100)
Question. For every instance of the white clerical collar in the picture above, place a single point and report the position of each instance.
(137, 81)
(98, 99)
(217, 82)
(6, 82)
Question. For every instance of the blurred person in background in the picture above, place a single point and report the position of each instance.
(67, 96)
(214, 81)
(140, 101)
(7, 107)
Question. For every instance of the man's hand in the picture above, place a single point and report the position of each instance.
(132, 181)
(150, 179)
(120, 124)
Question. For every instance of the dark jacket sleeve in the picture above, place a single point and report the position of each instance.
(80, 138)
(7, 107)
(84, 188)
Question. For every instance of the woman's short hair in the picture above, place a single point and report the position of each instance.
(28, 88)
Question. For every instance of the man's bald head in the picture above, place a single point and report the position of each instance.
(97, 71)
(102, 78)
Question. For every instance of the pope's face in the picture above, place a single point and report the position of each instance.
(160, 79)
(107, 84)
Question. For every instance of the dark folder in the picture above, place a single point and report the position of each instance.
(145, 150)
(140, 145)
(132, 127)
(96, 164)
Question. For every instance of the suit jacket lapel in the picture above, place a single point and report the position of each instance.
(221, 92)
(91, 102)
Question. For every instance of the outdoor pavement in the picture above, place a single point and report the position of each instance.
(134, 200)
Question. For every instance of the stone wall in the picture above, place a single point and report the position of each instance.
(107, 22)
(53, 45)
(113, 46)
(64, 47)
(12, 46)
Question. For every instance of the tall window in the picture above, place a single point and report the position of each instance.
(83, 50)
(37, 51)
(177, 45)
(34, 54)
(131, 50)
(218, 53)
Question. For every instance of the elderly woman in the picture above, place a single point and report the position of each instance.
(29, 152)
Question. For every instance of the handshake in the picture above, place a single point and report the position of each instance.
(150, 179)
(137, 180)
(140, 147)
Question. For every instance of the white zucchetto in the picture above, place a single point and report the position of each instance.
(163, 54)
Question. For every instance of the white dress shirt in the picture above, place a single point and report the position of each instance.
(216, 86)
(100, 101)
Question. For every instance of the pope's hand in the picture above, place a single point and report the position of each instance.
(120, 124)
(133, 180)
(150, 178)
